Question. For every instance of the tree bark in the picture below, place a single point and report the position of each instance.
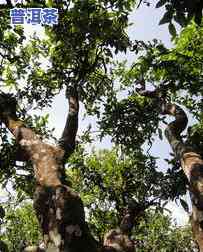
(192, 165)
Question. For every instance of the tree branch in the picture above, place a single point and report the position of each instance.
(117, 240)
(160, 92)
(67, 140)
(30, 143)
(132, 211)
(192, 165)
(175, 128)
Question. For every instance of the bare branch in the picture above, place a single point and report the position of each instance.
(67, 140)
(139, 4)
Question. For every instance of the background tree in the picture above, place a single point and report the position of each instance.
(20, 227)
(176, 76)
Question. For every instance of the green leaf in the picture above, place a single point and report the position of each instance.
(172, 30)
(180, 19)
(160, 134)
(166, 17)
(160, 3)
(184, 205)
(49, 3)
(2, 212)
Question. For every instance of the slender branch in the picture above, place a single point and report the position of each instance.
(67, 140)
(139, 4)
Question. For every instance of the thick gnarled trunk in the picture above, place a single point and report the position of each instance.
(192, 165)
(60, 211)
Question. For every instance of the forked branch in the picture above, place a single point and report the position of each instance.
(60, 211)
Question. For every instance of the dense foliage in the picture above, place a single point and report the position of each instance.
(20, 227)
(155, 232)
